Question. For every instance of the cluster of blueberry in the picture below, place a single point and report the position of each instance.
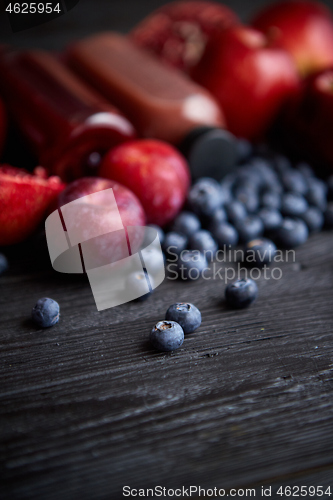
(180, 318)
(265, 196)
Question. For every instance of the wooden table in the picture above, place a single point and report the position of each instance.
(87, 406)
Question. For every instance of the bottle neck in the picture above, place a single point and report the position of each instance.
(210, 151)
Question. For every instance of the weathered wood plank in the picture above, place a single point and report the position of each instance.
(87, 406)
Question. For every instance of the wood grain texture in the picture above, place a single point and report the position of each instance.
(87, 406)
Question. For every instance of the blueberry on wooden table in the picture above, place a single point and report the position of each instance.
(292, 233)
(314, 219)
(205, 197)
(174, 243)
(3, 263)
(191, 265)
(294, 180)
(249, 228)
(248, 196)
(271, 219)
(317, 193)
(271, 199)
(306, 170)
(241, 293)
(204, 242)
(186, 223)
(45, 313)
(167, 336)
(220, 215)
(225, 234)
(236, 211)
(186, 315)
(293, 205)
(260, 252)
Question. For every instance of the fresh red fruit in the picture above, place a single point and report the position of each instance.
(307, 124)
(99, 217)
(130, 208)
(178, 32)
(24, 199)
(3, 125)
(250, 80)
(303, 28)
(155, 172)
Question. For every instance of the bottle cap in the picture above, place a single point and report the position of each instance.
(211, 152)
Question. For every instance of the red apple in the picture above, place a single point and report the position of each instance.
(307, 124)
(96, 221)
(155, 171)
(178, 32)
(250, 80)
(24, 199)
(3, 124)
(303, 28)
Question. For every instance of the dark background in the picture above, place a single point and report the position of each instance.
(93, 15)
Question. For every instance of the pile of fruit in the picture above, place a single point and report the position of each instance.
(273, 83)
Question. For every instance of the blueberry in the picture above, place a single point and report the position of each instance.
(330, 188)
(226, 187)
(248, 176)
(220, 215)
(293, 180)
(174, 243)
(244, 150)
(293, 205)
(186, 315)
(225, 234)
(160, 232)
(260, 252)
(317, 194)
(205, 197)
(271, 219)
(271, 199)
(248, 196)
(329, 216)
(305, 170)
(249, 228)
(241, 293)
(205, 243)
(236, 211)
(46, 312)
(314, 219)
(167, 336)
(186, 223)
(138, 282)
(292, 233)
(191, 265)
(3, 263)
(281, 164)
(265, 171)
